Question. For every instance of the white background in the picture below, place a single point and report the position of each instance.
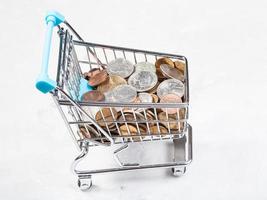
(226, 44)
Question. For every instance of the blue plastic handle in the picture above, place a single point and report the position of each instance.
(44, 83)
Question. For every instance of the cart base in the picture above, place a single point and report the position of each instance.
(182, 157)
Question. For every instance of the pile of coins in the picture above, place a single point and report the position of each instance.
(123, 82)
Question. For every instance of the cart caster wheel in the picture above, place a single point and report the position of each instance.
(84, 183)
(178, 171)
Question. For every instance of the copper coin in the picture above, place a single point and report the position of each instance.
(107, 117)
(164, 61)
(93, 96)
(132, 130)
(171, 72)
(158, 130)
(93, 72)
(111, 82)
(170, 98)
(155, 98)
(98, 78)
(180, 65)
(171, 121)
(88, 132)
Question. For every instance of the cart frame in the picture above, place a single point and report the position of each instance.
(66, 92)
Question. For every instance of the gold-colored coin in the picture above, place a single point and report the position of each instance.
(156, 130)
(180, 65)
(111, 83)
(107, 116)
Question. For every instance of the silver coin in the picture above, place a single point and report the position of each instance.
(121, 93)
(120, 67)
(171, 86)
(143, 80)
(145, 66)
(145, 97)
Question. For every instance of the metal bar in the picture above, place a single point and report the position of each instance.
(81, 43)
(66, 122)
(131, 105)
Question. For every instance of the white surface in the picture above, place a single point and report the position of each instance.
(226, 45)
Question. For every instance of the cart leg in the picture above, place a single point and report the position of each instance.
(182, 151)
(84, 180)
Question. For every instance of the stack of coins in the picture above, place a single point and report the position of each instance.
(143, 82)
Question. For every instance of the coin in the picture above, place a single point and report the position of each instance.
(143, 80)
(170, 98)
(131, 130)
(180, 65)
(154, 89)
(93, 72)
(120, 67)
(88, 132)
(107, 117)
(161, 61)
(111, 82)
(155, 98)
(98, 78)
(129, 115)
(170, 121)
(171, 86)
(145, 97)
(156, 130)
(145, 66)
(121, 93)
(93, 96)
(171, 72)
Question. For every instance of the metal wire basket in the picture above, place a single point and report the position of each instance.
(145, 123)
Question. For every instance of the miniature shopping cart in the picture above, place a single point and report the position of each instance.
(77, 56)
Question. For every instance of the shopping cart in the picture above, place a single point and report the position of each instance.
(77, 56)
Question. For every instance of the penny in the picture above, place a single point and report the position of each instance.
(107, 117)
(121, 93)
(171, 72)
(111, 82)
(149, 117)
(98, 78)
(143, 80)
(131, 130)
(170, 121)
(159, 62)
(158, 130)
(93, 72)
(163, 61)
(171, 86)
(180, 65)
(145, 66)
(155, 98)
(88, 132)
(170, 98)
(120, 67)
(93, 96)
(130, 115)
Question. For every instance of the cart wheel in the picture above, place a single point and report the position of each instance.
(178, 171)
(84, 183)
